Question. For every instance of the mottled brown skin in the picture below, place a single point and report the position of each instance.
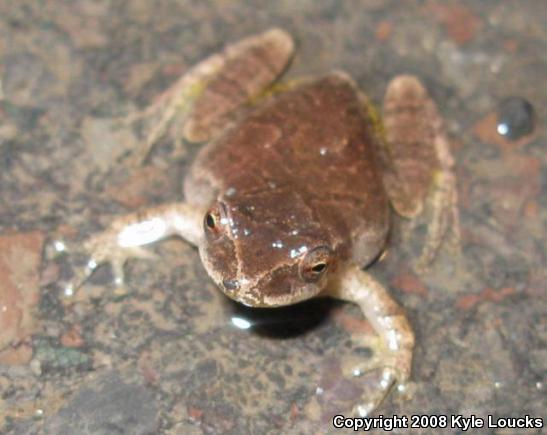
(302, 163)
(290, 198)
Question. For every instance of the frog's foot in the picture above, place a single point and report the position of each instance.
(371, 402)
(394, 372)
(207, 97)
(125, 237)
(418, 161)
(394, 351)
(99, 249)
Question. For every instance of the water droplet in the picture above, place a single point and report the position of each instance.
(516, 118)
(241, 323)
(384, 384)
(91, 264)
(69, 290)
(231, 191)
(59, 246)
(364, 410)
(297, 252)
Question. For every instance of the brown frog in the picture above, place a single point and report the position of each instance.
(291, 197)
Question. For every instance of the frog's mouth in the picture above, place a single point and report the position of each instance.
(241, 291)
(251, 295)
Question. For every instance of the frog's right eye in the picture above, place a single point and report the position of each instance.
(212, 221)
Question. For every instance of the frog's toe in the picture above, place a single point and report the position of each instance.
(391, 378)
(364, 409)
(119, 258)
(79, 277)
(98, 250)
(386, 382)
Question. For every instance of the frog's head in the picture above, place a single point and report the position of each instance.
(266, 253)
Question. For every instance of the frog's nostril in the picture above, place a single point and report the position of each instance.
(230, 284)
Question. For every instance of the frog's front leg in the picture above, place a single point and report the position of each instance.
(389, 321)
(125, 236)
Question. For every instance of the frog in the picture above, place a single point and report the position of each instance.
(294, 192)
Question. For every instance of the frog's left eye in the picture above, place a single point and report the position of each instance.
(316, 263)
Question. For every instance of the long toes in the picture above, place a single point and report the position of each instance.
(117, 270)
(79, 278)
(388, 379)
(364, 409)
(81, 275)
(386, 382)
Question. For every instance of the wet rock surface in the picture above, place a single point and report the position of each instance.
(91, 409)
(19, 288)
(169, 354)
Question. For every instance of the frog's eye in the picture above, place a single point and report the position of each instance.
(316, 263)
(212, 221)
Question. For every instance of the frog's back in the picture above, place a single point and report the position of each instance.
(312, 146)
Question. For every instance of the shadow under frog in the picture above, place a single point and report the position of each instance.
(290, 197)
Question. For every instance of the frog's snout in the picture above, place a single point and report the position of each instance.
(236, 290)
(230, 285)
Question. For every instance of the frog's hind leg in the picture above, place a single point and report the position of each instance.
(419, 160)
(207, 97)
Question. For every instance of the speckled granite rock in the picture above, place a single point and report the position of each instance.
(164, 356)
